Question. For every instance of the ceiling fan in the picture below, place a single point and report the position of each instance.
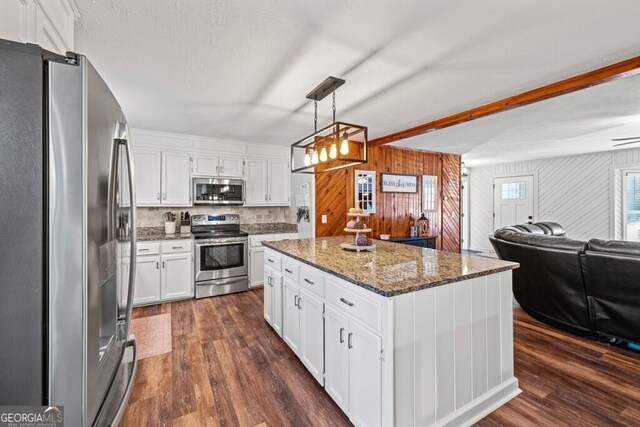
(632, 140)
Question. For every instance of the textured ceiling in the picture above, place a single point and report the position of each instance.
(576, 123)
(241, 68)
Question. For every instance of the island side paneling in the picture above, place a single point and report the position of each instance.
(395, 212)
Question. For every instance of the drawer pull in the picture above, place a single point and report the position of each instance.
(349, 344)
(288, 271)
(309, 281)
(143, 250)
(270, 260)
(177, 247)
(341, 335)
(349, 303)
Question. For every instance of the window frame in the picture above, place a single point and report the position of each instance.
(372, 177)
(625, 210)
(435, 193)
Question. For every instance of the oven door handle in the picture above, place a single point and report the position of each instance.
(220, 243)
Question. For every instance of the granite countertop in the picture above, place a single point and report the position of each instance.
(146, 234)
(392, 268)
(269, 228)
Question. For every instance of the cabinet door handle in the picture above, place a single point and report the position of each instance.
(162, 264)
(157, 265)
(295, 300)
(157, 196)
(349, 303)
(299, 303)
(309, 281)
(349, 344)
(341, 335)
(269, 281)
(288, 271)
(164, 196)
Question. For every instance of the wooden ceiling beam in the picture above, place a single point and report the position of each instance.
(592, 78)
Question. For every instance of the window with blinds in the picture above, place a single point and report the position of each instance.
(632, 206)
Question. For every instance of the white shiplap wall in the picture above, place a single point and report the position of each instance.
(577, 192)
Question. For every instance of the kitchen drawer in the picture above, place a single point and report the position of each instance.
(312, 279)
(367, 311)
(255, 241)
(290, 269)
(148, 248)
(273, 260)
(172, 246)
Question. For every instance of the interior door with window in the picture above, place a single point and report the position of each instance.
(513, 201)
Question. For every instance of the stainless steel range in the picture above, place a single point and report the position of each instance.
(222, 255)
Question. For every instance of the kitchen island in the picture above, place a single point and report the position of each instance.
(399, 336)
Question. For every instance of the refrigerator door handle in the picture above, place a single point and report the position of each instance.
(122, 136)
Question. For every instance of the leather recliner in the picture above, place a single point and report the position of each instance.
(590, 288)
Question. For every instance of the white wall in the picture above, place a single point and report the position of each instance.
(577, 192)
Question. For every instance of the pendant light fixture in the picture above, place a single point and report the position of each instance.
(319, 152)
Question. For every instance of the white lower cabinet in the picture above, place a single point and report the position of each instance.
(256, 255)
(177, 277)
(312, 334)
(164, 272)
(147, 284)
(273, 298)
(336, 376)
(291, 315)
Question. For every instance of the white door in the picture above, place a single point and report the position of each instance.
(312, 334)
(513, 201)
(291, 315)
(176, 179)
(465, 212)
(365, 376)
(268, 295)
(148, 173)
(279, 183)
(204, 165)
(231, 167)
(256, 267)
(256, 182)
(276, 319)
(336, 373)
(147, 285)
(177, 276)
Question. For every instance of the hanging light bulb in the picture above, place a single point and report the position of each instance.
(314, 157)
(307, 159)
(333, 151)
(344, 146)
(323, 154)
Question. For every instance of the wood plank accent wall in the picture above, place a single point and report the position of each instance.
(395, 212)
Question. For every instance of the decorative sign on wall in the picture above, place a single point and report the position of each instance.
(392, 183)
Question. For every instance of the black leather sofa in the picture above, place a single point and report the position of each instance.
(590, 288)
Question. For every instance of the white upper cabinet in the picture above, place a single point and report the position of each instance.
(279, 183)
(148, 165)
(222, 166)
(256, 182)
(204, 165)
(176, 179)
(231, 167)
(267, 183)
(49, 24)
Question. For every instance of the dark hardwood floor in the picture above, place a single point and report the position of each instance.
(227, 367)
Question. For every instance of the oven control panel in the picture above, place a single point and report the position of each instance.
(215, 219)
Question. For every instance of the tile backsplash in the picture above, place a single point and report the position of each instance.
(154, 217)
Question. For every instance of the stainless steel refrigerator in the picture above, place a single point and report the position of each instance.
(66, 185)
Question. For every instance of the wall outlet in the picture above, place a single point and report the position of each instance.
(548, 212)
(324, 219)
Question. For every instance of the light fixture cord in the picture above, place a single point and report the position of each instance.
(334, 106)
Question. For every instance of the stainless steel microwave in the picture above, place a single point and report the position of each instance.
(218, 191)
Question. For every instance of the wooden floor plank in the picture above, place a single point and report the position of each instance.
(227, 367)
